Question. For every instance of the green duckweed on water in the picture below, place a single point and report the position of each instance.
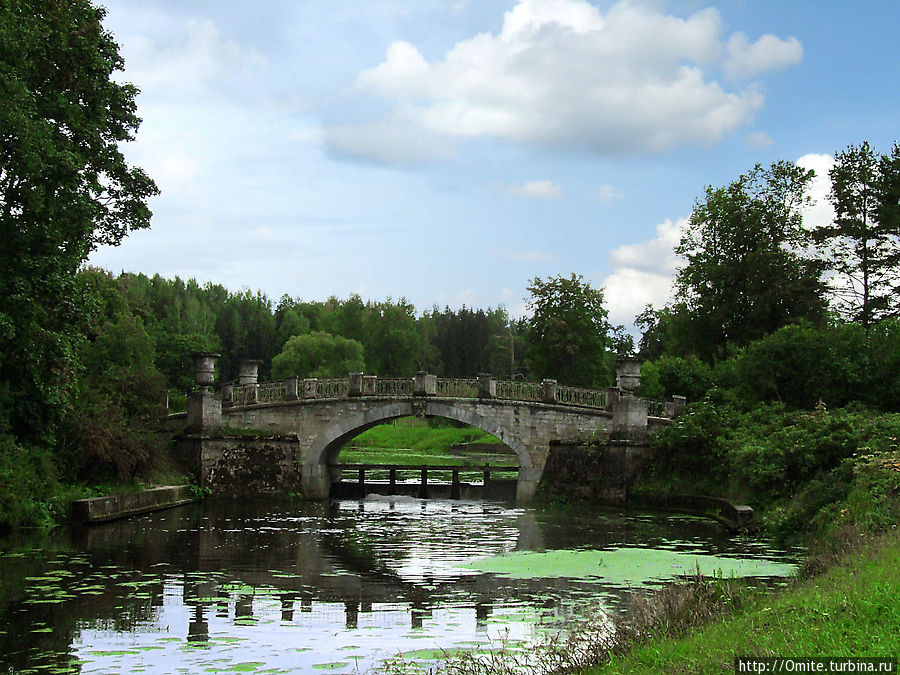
(624, 566)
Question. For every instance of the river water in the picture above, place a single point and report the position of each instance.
(281, 587)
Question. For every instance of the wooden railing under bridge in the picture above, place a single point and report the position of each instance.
(386, 476)
(484, 387)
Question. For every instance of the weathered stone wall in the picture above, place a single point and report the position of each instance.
(102, 509)
(247, 466)
(600, 472)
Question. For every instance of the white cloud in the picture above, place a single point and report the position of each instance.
(643, 273)
(563, 73)
(527, 256)
(389, 141)
(767, 53)
(541, 189)
(759, 139)
(608, 194)
(820, 212)
(195, 61)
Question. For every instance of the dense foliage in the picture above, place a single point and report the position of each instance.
(65, 187)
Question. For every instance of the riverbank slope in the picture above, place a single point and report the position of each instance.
(851, 610)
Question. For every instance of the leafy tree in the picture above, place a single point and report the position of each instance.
(668, 330)
(744, 276)
(318, 355)
(65, 188)
(862, 245)
(669, 375)
(569, 334)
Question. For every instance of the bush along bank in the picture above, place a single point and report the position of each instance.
(830, 479)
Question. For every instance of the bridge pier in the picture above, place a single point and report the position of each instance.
(316, 481)
(526, 486)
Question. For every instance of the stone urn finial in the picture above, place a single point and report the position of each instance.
(205, 368)
(628, 374)
(248, 371)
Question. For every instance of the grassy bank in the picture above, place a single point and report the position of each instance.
(412, 440)
(850, 610)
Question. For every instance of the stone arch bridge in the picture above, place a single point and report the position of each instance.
(321, 415)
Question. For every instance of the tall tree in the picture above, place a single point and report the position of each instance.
(65, 187)
(745, 275)
(862, 245)
(569, 333)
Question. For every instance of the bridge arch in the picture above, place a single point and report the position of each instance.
(326, 446)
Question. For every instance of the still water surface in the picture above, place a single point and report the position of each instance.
(276, 587)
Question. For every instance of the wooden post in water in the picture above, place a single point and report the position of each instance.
(455, 491)
(487, 475)
(362, 483)
(423, 486)
(392, 481)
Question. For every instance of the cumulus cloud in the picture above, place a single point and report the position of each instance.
(820, 212)
(643, 273)
(541, 189)
(563, 73)
(608, 194)
(196, 61)
(767, 53)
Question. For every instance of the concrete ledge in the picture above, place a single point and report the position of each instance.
(102, 509)
(738, 518)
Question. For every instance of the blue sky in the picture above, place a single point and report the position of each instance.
(449, 152)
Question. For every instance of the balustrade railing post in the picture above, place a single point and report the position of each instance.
(424, 384)
(678, 404)
(356, 382)
(550, 389)
(487, 388)
(310, 384)
(291, 389)
(227, 394)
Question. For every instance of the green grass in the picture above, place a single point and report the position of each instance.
(851, 610)
(414, 441)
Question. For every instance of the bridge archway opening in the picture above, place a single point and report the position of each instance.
(425, 441)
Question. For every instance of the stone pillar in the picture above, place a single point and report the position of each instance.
(526, 485)
(549, 391)
(204, 408)
(356, 380)
(248, 371)
(204, 412)
(309, 387)
(629, 420)
(487, 388)
(316, 481)
(424, 384)
(628, 375)
(368, 385)
(678, 404)
(291, 392)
